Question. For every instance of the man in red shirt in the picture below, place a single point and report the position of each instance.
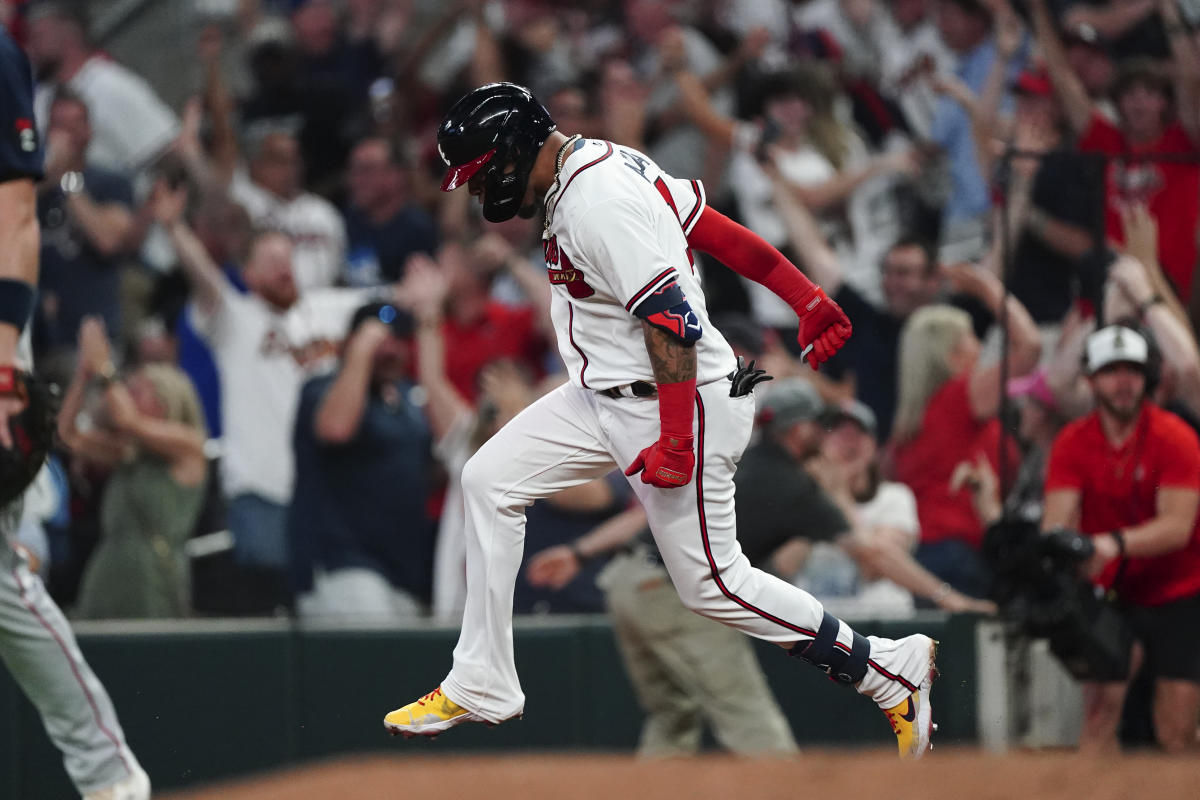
(1154, 151)
(1128, 475)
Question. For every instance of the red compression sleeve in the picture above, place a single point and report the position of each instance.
(676, 410)
(748, 254)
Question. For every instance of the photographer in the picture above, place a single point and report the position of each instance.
(1128, 475)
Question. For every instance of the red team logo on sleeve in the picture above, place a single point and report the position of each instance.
(560, 270)
(26, 134)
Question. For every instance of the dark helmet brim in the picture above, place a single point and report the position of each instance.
(459, 175)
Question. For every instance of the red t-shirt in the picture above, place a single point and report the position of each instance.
(1119, 487)
(1171, 189)
(949, 435)
(502, 332)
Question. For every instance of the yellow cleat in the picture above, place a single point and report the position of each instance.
(912, 720)
(428, 716)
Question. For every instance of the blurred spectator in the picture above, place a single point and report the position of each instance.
(86, 221)
(857, 26)
(1051, 194)
(272, 190)
(1056, 199)
(820, 160)
(321, 116)
(946, 413)
(726, 690)
(148, 429)
(866, 366)
(383, 226)
(1128, 475)
(659, 46)
(1090, 57)
(360, 539)
(1147, 150)
(327, 55)
(564, 517)
(876, 572)
(131, 126)
(265, 343)
(482, 329)
(1132, 26)
(911, 49)
(1138, 294)
(504, 390)
(224, 229)
(784, 511)
(966, 27)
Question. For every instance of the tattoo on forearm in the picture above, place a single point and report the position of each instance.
(672, 360)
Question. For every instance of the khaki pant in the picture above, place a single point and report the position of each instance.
(688, 670)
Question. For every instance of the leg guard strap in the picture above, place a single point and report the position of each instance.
(824, 654)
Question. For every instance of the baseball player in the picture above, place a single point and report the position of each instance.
(646, 368)
(36, 643)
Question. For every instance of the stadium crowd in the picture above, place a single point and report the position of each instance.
(280, 344)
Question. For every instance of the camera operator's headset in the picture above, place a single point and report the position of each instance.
(1152, 369)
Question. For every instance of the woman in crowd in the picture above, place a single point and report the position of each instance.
(147, 430)
(946, 413)
(871, 568)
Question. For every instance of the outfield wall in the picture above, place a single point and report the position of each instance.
(204, 700)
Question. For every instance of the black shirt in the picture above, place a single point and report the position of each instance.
(20, 147)
(376, 254)
(1069, 188)
(362, 503)
(870, 354)
(76, 280)
(777, 500)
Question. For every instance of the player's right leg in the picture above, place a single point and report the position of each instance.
(40, 651)
(552, 445)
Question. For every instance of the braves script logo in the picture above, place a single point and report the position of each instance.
(561, 270)
(26, 134)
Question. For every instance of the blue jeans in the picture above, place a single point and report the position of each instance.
(958, 564)
(259, 528)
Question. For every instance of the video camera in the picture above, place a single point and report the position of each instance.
(1039, 588)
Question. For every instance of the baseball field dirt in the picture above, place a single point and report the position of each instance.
(950, 774)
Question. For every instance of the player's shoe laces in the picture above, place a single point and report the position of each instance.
(912, 720)
(135, 787)
(428, 716)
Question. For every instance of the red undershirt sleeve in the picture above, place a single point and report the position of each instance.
(749, 255)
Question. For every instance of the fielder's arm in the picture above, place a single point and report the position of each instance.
(18, 250)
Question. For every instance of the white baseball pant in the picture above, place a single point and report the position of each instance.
(574, 435)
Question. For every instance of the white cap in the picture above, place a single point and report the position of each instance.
(1115, 344)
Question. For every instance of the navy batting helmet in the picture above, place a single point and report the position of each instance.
(490, 128)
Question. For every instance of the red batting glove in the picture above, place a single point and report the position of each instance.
(823, 325)
(667, 464)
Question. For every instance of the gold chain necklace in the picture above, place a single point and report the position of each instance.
(558, 165)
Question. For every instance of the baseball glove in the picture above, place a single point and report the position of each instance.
(32, 431)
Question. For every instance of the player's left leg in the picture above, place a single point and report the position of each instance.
(40, 651)
(694, 527)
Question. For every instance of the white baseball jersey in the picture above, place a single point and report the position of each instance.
(617, 235)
